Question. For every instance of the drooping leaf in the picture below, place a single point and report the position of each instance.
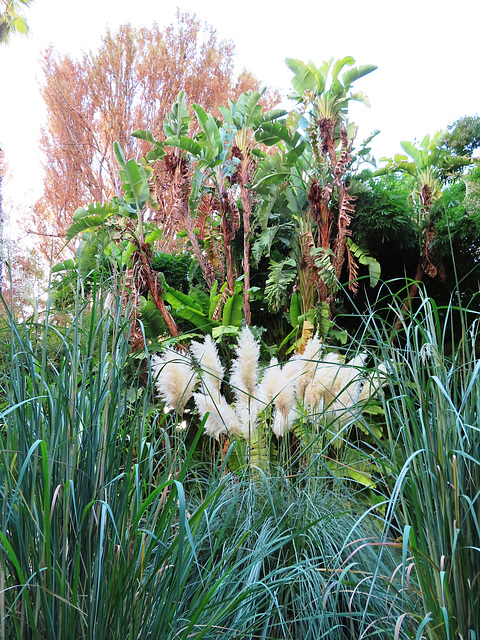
(307, 332)
(305, 79)
(210, 129)
(82, 225)
(151, 317)
(271, 133)
(280, 280)
(350, 76)
(67, 265)
(178, 299)
(184, 306)
(186, 144)
(95, 209)
(374, 269)
(233, 311)
(224, 330)
(154, 235)
(263, 244)
(338, 66)
(90, 251)
(414, 153)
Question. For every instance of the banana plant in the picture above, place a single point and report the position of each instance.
(219, 162)
(431, 164)
(178, 186)
(117, 229)
(324, 98)
(306, 181)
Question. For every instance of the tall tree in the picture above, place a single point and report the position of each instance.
(129, 83)
(11, 18)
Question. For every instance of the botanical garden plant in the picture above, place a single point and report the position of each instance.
(317, 395)
(216, 484)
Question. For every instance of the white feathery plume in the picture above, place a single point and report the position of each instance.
(206, 355)
(277, 386)
(307, 364)
(285, 397)
(278, 426)
(268, 387)
(319, 392)
(347, 386)
(247, 415)
(175, 378)
(291, 370)
(375, 381)
(222, 418)
(244, 374)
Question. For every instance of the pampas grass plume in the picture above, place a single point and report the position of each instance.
(206, 355)
(307, 364)
(244, 374)
(222, 418)
(175, 378)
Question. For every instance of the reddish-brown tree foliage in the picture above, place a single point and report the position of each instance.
(130, 83)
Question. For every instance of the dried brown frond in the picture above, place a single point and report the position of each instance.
(352, 271)
(344, 159)
(222, 300)
(326, 127)
(345, 212)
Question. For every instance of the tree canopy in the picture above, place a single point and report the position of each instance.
(129, 83)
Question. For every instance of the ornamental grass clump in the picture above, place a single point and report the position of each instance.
(430, 454)
(314, 391)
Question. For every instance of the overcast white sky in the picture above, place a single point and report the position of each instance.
(427, 54)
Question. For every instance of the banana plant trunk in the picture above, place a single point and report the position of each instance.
(155, 289)
(246, 205)
(207, 269)
(424, 266)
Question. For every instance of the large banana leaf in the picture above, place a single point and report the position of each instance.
(271, 133)
(185, 307)
(82, 225)
(95, 209)
(210, 129)
(67, 265)
(350, 76)
(186, 144)
(155, 154)
(151, 318)
(305, 78)
(90, 251)
(418, 157)
(233, 311)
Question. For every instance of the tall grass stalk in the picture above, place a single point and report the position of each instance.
(431, 463)
(110, 529)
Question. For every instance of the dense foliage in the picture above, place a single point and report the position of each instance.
(220, 421)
